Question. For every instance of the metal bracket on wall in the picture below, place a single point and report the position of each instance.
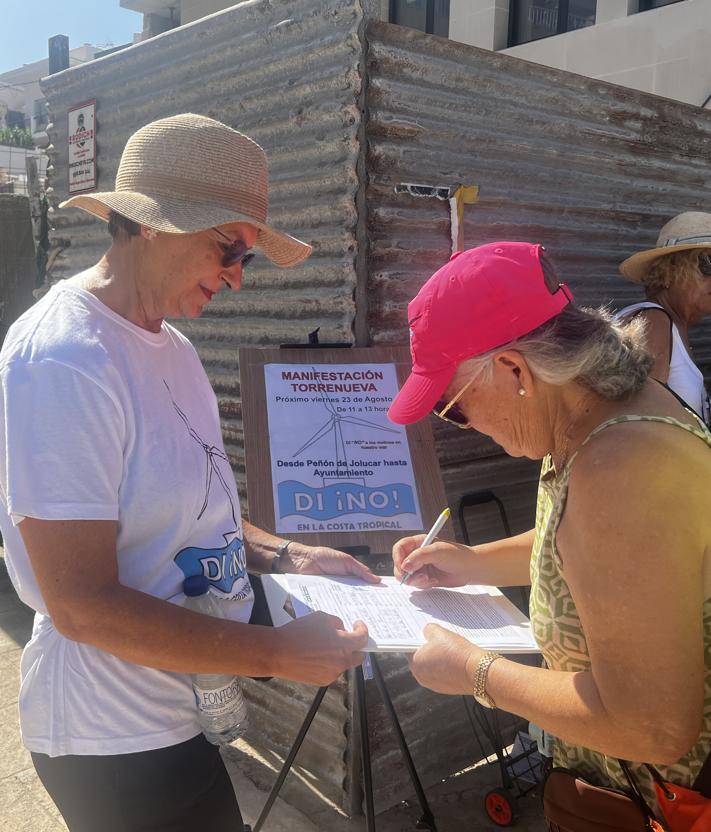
(457, 195)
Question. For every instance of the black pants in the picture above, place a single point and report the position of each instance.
(182, 788)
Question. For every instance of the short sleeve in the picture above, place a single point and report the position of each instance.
(63, 437)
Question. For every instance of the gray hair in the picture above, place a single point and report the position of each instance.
(583, 345)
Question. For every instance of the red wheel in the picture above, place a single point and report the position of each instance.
(499, 807)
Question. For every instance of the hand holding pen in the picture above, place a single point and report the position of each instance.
(429, 538)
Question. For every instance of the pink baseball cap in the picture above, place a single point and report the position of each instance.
(481, 299)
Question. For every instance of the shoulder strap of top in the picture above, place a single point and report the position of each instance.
(634, 308)
(701, 430)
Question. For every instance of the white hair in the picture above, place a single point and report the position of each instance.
(583, 345)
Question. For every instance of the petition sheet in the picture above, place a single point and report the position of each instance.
(396, 615)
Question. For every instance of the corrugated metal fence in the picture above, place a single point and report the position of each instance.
(589, 169)
(287, 74)
(346, 114)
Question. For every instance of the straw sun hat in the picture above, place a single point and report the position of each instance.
(189, 173)
(684, 232)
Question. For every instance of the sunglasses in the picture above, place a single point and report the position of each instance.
(451, 412)
(705, 264)
(236, 251)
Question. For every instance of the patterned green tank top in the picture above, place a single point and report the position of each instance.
(560, 635)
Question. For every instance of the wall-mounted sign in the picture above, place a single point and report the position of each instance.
(338, 463)
(82, 147)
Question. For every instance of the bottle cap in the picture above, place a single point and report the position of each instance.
(195, 585)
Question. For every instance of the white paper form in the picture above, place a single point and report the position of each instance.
(396, 615)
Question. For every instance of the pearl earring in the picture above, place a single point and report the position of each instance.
(150, 233)
(521, 391)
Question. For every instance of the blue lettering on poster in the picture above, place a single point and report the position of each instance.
(344, 498)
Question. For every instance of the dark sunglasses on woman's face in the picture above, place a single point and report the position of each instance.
(454, 414)
(450, 411)
(705, 264)
(235, 251)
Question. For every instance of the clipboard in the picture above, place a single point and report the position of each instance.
(482, 614)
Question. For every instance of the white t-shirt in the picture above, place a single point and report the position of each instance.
(103, 420)
(685, 378)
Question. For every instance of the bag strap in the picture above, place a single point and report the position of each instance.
(636, 794)
(702, 784)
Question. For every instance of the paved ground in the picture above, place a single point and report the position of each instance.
(25, 806)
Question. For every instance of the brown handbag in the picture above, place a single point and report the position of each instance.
(571, 804)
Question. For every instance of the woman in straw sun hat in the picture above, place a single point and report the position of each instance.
(115, 488)
(676, 277)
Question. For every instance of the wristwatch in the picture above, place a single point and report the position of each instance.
(480, 674)
(276, 560)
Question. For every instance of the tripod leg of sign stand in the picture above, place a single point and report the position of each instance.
(365, 749)
(505, 775)
(274, 793)
(427, 820)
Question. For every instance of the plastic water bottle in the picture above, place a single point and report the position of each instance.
(222, 711)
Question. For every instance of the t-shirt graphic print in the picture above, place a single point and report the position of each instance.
(224, 566)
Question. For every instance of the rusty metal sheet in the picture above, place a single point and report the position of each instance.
(285, 74)
(590, 169)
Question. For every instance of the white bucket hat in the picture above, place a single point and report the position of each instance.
(684, 232)
(188, 173)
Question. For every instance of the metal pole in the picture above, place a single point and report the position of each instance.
(365, 749)
(562, 16)
(274, 793)
(430, 17)
(427, 820)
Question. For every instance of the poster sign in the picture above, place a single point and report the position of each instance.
(338, 463)
(82, 147)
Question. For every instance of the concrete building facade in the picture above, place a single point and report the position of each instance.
(22, 102)
(660, 50)
(657, 46)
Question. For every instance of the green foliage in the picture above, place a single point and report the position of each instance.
(16, 137)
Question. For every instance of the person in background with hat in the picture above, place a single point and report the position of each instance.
(618, 560)
(676, 277)
(115, 487)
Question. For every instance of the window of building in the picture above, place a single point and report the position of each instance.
(646, 5)
(431, 16)
(534, 19)
(41, 116)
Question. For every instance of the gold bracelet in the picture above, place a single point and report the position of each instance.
(480, 675)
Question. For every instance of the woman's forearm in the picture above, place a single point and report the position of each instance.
(260, 547)
(504, 562)
(141, 629)
(568, 705)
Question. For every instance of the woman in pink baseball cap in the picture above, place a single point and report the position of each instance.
(619, 560)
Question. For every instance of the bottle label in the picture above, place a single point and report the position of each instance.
(217, 701)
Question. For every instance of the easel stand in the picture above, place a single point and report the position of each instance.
(426, 821)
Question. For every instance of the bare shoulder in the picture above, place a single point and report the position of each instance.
(657, 321)
(652, 313)
(640, 476)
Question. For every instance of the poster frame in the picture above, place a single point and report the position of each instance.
(425, 465)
